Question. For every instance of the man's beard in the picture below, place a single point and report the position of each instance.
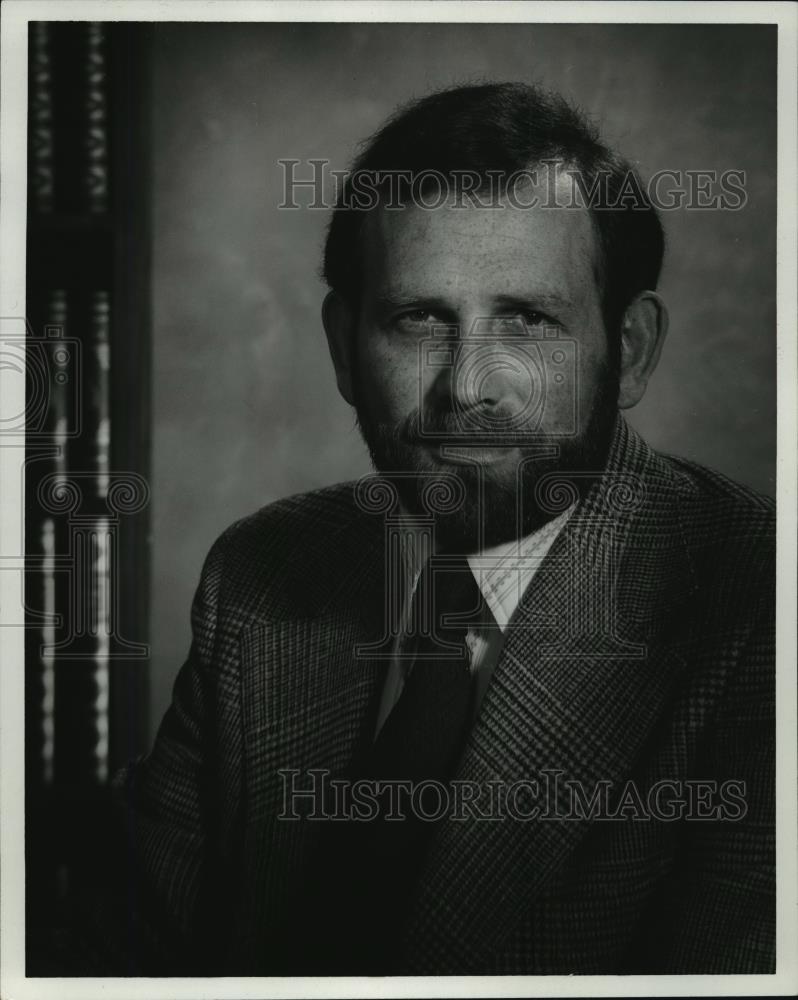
(516, 499)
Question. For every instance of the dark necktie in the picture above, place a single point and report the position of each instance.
(370, 868)
(424, 733)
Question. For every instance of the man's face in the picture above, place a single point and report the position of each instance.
(481, 352)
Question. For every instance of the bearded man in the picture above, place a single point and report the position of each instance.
(507, 705)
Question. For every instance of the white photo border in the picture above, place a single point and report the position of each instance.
(14, 985)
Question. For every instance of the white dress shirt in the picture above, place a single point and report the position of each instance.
(502, 573)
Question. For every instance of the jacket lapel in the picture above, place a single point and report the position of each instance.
(587, 667)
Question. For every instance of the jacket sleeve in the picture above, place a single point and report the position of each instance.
(720, 914)
(152, 915)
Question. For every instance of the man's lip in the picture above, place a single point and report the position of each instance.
(461, 453)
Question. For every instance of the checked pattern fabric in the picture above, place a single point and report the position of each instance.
(642, 651)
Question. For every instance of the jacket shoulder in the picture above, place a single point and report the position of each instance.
(293, 557)
(729, 528)
(315, 513)
(737, 509)
(714, 485)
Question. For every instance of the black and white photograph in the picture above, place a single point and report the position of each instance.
(398, 499)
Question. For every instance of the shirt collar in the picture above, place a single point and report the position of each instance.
(505, 571)
(502, 572)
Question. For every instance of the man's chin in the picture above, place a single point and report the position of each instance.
(469, 531)
(476, 504)
(483, 494)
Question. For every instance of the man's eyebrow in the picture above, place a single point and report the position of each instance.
(402, 300)
(533, 300)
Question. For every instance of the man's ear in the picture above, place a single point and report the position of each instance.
(340, 327)
(643, 331)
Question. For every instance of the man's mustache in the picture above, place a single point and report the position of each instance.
(468, 427)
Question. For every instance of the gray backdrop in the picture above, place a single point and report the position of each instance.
(245, 404)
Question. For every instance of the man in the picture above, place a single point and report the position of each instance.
(508, 706)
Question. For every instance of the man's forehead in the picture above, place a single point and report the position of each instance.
(504, 238)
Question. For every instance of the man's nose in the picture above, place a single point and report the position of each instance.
(473, 366)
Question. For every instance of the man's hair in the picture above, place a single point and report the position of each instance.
(494, 131)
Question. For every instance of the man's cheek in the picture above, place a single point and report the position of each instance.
(591, 372)
(389, 399)
(396, 390)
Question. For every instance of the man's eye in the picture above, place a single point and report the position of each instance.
(519, 323)
(415, 317)
(533, 318)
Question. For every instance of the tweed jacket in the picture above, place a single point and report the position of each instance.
(642, 651)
